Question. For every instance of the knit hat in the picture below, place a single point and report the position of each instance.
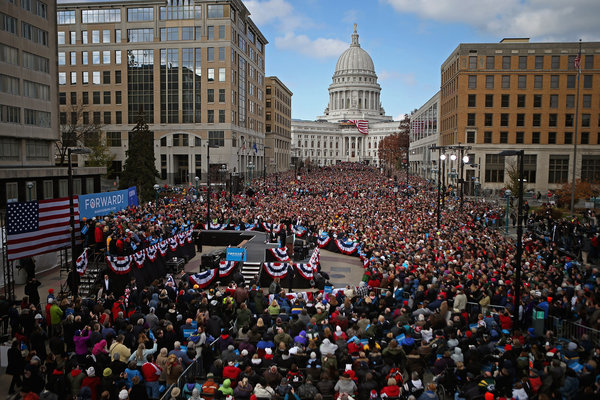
(107, 372)
(90, 371)
(123, 395)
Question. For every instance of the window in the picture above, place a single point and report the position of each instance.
(487, 137)
(489, 100)
(96, 77)
(489, 62)
(210, 54)
(210, 116)
(571, 79)
(106, 97)
(555, 62)
(553, 101)
(494, 168)
(505, 62)
(221, 53)
(84, 37)
(106, 36)
(568, 120)
(588, 81)
(73, 58)
(554, 80)
(504, 119)
(505, 81)
(117, 36)
(96, 97)
(222, 32)
(472, 81)
(211, 75)
(101, 16)
(552, 119)
(34, 34)
(118, 57)
(520, 119)
(62, 58)
(585, 120)
(85, 98)
(558, 169)
(505, 100)
(117, 76)
(62, 98)
(106, 77)
(210, 95)
(470, 136)
(62, 78)
(140, 35)
(85, 58)
(586, 101)
(590, 168)
(9, 55)
(503, 137)
(522, 81)
(221, 116)
(73, 98)
(221, 95)
(471, 119)
(65, 17)
(60, 37)
(107, 119)
(73, 37)
(106, 57)
(37, 150)
(210, 32)
(536, 119)
(489, 119)
(472, 62)
(38, 118)
(96, 119)
(570, 103)
(215, 11)
(521, 100)
(535, 137)
(471, 100)
(537, 100)
(187, 33)
(119, 117)
(95, 36)
(539, 62)
(538, 81)
(216, 138)
(585, 138)
(10, 114)
(529, 167)
(522, 62)
(489, 81)
(520, 137)
(568, 137)
(221, 74)
(551, 137)
(118, 97)
(140, 14)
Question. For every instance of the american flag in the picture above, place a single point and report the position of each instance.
(38, 227)
(362, 125)
(577, 63)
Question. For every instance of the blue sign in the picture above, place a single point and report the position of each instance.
(235, 254)
(99, 204)
(133, 199)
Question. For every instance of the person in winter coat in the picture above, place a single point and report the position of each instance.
(80, 339)
(174, 369)
(569, 388)
(429, 394)
(345, 385)
(391, 390)
(243, 390)
(226, 388)
(75, 377)
(265, 392)
(91, 381)
(15, 366)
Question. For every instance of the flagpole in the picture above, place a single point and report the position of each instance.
(576, 132)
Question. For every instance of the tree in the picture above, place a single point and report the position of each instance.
(513, 179)
(75, 132)
(139, 169)
(100, 155)
(393, 148)
(583, 190)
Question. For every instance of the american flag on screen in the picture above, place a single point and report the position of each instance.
(362, 125)
(38, 227)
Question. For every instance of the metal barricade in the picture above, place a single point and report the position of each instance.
(192, 370)
(571, 330)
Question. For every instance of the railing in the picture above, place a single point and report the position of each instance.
(192, 370)
(571, 330)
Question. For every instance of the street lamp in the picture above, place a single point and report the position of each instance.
(208, 146)
(222, 172)
(231, 175)
(465, 160)
(197, 179)
(156, 187)
(76, 150)
(29, 187)
(520, 154)
(443, 171)
(507, 194)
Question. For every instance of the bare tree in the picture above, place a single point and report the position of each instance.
(77, 129)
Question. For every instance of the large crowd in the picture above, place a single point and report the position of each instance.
(435, 308)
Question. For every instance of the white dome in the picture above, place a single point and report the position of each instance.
(354, 60)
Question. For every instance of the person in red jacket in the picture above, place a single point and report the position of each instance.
(151, 373)
(391, 390)
(231, 372)
(92, 381)
(506, 321)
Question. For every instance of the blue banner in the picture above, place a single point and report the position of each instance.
(100, 204)
(133, 199)
(235, 254)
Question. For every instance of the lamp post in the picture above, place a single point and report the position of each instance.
(223, 174)
(231, 175)
(519, 154)
(465, 160)
(156, 187)
(443, 158)
(29, 187)
(507, 194)
(439, 184)
(76, 150)
(197, 179)
(208, 146)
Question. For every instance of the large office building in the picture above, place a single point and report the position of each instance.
(354, 101)
(194, 68)
(278, 124)
(517, 95)
(29, 118)
(424, 133)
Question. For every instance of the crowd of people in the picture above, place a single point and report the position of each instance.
(435, 308)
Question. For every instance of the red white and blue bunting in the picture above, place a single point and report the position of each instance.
(81, 263)
(315, 257)
(276, 270)
(299, 230)
(173, 243)
(280, 254)
(323, 240)
(139, 258)
(251, 227)
(225, 268)
(163, 246)
(119, 265)
(203, 279)
(181, 238)
(151, 252)
(214, 227)
(348, 248)
(267, 226)
(189, 236)
(305, 270)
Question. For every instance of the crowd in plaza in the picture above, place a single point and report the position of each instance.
(435, 307)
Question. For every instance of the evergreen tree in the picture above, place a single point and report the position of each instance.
(139, 169)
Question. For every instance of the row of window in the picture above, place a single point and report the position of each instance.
(10, 149)
(36, 7)
(537, 100)
(87, 118)
(98, 57)
(48, 189)
(527, 62)
(536, 119)
(521, 137)
(97, 97)
(28, 31)
(10, 55)
(552, 81)
(12, 115)
(98, 77)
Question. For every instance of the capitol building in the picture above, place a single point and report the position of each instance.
(354, 121)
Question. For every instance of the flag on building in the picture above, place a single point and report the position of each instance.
(362, 125)
(577, 62)
(255, 148)
(38, 227)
